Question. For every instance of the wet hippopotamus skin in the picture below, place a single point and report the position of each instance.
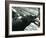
(21, 24)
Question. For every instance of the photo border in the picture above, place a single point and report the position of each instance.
(7, 18)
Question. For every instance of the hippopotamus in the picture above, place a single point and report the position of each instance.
(21, 24)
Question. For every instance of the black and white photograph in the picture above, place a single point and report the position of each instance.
(25, 19)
